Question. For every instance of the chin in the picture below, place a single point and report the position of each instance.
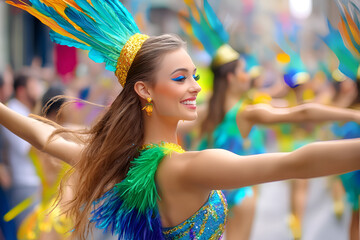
(191, 117)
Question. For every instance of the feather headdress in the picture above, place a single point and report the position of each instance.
(211, 33)
(345, 41)
(103, 27)
(295, 72)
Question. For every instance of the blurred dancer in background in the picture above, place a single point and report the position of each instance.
(7, 231)
(25, 182)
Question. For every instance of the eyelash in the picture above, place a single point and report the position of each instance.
(182, 78)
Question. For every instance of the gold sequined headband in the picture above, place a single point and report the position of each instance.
(223, 55)
(127, 55)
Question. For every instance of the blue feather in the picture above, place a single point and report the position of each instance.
(123, 12)
(215, 39)
(202, 36)
(50, 12)
(107, 30)
(356, 15)
(89, 26)
(348, 64)
(107, 25)
(126, 223)
(62, 40)
(215, 22)
(117, 13)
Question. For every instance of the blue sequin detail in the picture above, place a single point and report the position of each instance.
(207, 223)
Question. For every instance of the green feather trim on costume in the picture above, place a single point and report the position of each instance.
(138, 189)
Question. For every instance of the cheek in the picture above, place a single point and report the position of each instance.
(167, 94)
(168, 91)
(243, 77)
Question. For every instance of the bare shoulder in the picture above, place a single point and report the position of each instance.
(181, 162)
(183, 158)
(176, 168)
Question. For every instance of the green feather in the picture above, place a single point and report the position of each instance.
(138, 190)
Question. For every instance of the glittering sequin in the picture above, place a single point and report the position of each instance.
(207, 223)
(168, 145)
(127, 55)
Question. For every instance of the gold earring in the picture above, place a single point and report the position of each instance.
(148, 107)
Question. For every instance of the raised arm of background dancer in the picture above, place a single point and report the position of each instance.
(265, 114)
(221, 169)
(37, 134)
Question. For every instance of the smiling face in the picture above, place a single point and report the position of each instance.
(175, 90)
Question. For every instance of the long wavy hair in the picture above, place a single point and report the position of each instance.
(216, 110)
(114, 141)
(356, 101)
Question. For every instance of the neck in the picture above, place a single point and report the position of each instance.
(231, 99)
(158, 129)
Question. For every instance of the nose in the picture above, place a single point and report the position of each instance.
(195, 87)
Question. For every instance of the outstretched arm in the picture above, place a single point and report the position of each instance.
(220, 169)
(37, 134)
(266, 114)
(263, 113)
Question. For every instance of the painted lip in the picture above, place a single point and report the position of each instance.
(191, 106)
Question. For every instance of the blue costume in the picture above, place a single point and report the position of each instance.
(130, 209)
(207, 223)
(351, 180)
(227, 136)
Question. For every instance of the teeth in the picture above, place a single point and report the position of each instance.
(189, 102)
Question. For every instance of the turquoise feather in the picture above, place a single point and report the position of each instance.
(356, 13)
(62, 40)
(209, 29)
(215, 22)
(356, 16)
(107, 25)
(348, 64)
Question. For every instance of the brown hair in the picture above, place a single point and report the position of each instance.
(216, 110)
(115, 139)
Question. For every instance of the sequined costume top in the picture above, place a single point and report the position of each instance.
(207, 223)
(130, 209)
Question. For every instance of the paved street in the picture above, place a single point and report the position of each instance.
(319, 221)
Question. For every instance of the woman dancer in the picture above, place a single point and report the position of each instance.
(133, 177)
(46, 221)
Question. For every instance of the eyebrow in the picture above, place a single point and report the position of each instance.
(182, 69)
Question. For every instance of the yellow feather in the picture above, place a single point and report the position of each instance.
(73, 4)
(346, 37)
(19, 208)
(46, 20)
(60, 6)
(89, 1)
(189, 2)
(353, 28)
